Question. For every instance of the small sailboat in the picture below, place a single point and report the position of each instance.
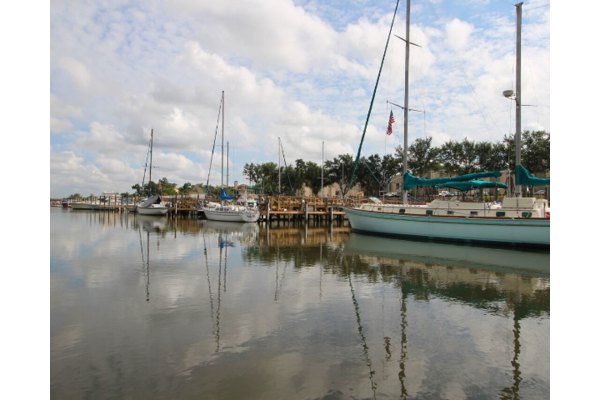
(153, 205)
(241, 211)
(517, 221)
(230, 209)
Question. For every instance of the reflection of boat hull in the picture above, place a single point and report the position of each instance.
(506, 231)
(537, 261)
(150, 224)
(231, 215)
(230, 227)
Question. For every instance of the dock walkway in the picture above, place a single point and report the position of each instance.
(278, 208)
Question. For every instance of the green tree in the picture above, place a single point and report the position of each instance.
(339, 171)
(370, 175)
(267, 177)
(185, 189)
(139, 190)
(459, 157)
(251, 173)
(167, 187)
(491, 157)
(422, 157)
(535, 152)
(312, 176)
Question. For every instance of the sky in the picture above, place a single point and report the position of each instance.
(301, 72)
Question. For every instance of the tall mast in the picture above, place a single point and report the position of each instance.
(222, 134)
(279, 164)
(406, 64)
(518, 96)
(151, 145)
(227, 182)
(322, 165)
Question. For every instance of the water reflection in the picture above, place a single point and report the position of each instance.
(500, 281)
(250, 311)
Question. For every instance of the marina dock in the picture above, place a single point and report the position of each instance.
(272, 208)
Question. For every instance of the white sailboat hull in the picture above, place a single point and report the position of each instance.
(231, 215)
(506, 231)
(159, 210)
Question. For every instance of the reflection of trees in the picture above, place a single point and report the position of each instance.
(491, 290)
(496, 291)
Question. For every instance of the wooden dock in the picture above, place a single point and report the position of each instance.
(272, 208)
(289, 208)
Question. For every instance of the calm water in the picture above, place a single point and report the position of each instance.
(154, 308)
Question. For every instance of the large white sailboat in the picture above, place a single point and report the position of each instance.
(517, 221)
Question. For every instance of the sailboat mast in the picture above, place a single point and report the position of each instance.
(227, 181)
(150, 170)
(518, 95)
(406, 64)
(279, 165)
(222, 134)
(322, 165)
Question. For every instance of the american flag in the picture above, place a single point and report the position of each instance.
(390, 122)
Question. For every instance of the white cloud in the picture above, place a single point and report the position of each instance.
(458, 34)
(76, 72)
(288, 70)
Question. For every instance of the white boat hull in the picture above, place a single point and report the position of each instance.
(505, 231)
(152, 210)
(85, 206)
(242, 215)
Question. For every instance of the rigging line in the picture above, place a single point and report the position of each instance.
(285, 163)
(351, 181)
(214, 142)
(371, 171)
(146, 165)
(402, 107)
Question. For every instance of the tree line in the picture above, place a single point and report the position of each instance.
(374, 172)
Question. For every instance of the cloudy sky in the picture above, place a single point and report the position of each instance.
(300, 70)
